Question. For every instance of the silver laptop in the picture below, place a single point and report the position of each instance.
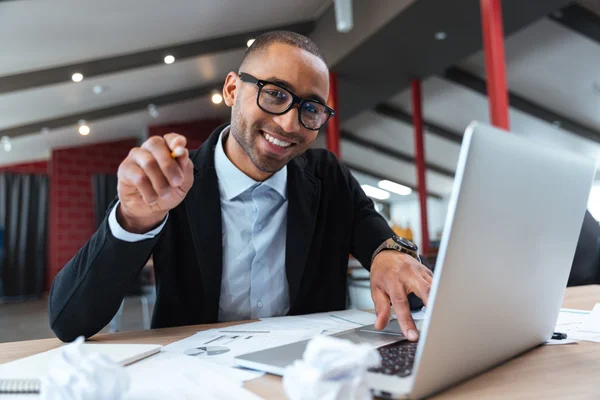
(513, 222)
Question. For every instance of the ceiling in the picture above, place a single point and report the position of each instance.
(61, 32)
(540, 68)
(549, 65)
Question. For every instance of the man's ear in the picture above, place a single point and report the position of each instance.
(230, 88)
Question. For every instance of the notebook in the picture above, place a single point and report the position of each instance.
(23, 375)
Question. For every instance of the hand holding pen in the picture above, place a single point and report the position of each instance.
(153, 179)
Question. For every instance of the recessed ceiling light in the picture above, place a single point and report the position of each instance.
(375, 193)
(249, 42)
(153, 111)
(217, 98)
(77, 77)
(6, 144)
(98, 89)
(84, 129)
(394, 187)
(440, 35)
(169, 59)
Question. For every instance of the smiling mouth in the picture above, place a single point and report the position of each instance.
(275, 141)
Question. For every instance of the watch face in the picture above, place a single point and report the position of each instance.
(406, 243)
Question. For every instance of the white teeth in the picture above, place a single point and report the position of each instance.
(277, 142)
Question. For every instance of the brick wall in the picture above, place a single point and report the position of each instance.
(35, 167)
(196, 132)
(72, 219)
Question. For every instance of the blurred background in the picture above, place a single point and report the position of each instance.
(82, 82)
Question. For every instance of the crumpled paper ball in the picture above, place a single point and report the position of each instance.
(331, 369)
(76, 375)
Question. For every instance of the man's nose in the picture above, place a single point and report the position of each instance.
(288, 121)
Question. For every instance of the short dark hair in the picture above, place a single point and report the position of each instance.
(265, 40)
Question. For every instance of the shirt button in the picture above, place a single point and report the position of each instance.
(259, 304)
(260, 227)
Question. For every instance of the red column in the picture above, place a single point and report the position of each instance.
(420, 158)
(333, 126)
(495, 65)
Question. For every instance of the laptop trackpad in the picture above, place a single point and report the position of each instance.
(393, 328)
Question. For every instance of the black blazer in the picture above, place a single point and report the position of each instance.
(329, 217)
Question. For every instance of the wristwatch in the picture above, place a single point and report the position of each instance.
(399, 244)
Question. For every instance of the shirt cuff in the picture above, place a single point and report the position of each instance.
(117, 230)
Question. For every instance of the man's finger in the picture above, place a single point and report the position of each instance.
(428, 271)
(382, 307)
(183, 160)
(170, 168)
(402, 309)
(177, 144)
(145, 160)
(428, 278)
(422, 288)
(130, 174)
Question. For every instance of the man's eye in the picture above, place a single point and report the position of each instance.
(311, 108)
(276, 94)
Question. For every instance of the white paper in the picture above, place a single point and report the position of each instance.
(36, 366)
(419, 315)
(221, 346)
(568, 317)
(591, 323)
(554, 342)
(327, 322)
(237, 373)
(572, 321)
(172, 376)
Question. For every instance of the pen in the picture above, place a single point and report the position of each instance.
(177, 152)
(559, 336)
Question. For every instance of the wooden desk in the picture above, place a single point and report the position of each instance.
(549, 372)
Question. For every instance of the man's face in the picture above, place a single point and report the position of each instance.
(300, 72)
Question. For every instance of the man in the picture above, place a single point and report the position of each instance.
(252, 224)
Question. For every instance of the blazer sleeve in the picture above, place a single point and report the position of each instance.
(88, 291)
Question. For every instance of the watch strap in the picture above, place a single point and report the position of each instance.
(390, 244)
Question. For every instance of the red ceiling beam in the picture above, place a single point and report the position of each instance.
(495, 65)
(417, 108)
(333, 126)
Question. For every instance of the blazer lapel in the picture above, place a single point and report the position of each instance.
(203, 208)
(303, 204)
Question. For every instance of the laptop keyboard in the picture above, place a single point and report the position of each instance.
(397, 359)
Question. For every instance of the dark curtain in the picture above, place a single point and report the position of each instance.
(24, 218)
(105, 190)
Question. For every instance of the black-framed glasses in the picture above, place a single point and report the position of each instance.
(277, 100)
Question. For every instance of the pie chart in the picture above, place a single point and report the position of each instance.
(207, 351)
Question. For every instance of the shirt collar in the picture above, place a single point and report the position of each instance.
(234, 182)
